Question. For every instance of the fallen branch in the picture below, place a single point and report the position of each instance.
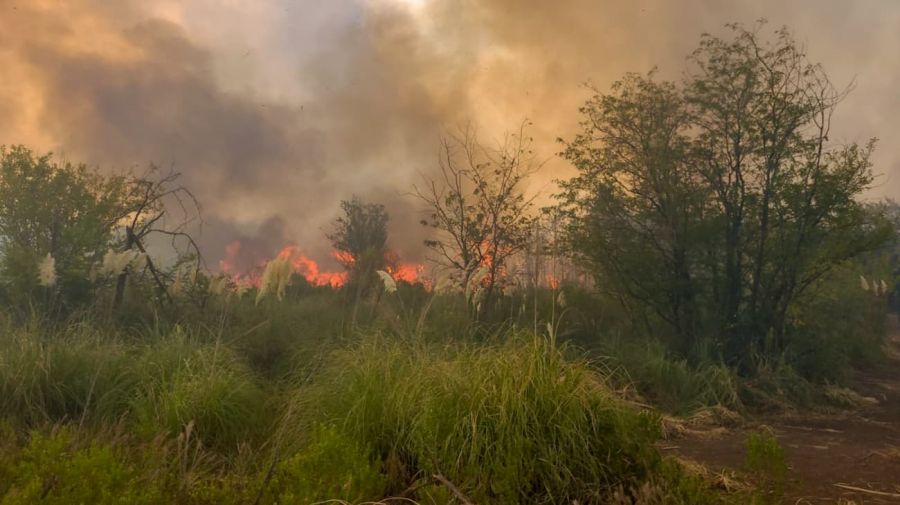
(868, 491)
(453, 489)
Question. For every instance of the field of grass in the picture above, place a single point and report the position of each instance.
(286, 402)
(282, 402)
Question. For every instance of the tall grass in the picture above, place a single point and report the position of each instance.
(205, 385)
(506, 423)
(672, 384)
(74, 374)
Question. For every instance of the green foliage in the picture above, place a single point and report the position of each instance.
(51, 470)
(65, 210)
(330, 467)
(765, 458)
(675, 385)
(711, 207)
(47, 376)
(205, 386)
(360, 238)
(836, 328)
(505, 423)
(280, 339)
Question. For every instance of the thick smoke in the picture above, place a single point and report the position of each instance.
(275, 111)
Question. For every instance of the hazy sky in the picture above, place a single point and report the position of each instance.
(275, 110)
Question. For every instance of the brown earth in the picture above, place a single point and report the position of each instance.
(827, 454)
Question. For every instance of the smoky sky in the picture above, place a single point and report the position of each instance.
(276, 110)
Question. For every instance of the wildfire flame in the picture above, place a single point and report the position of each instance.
(309, 269)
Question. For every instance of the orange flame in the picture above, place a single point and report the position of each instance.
(552, 281)
(407, 272)
(309, 269)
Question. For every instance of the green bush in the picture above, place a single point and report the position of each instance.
(765, 458)
(51, 471)
(508, 423)
(330, 467)
(277, 337)
(838, 326)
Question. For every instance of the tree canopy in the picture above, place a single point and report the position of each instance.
(716, 202)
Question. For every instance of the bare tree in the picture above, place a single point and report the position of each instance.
(152, 198)
(477, 205)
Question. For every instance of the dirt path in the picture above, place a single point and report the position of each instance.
(859, 448)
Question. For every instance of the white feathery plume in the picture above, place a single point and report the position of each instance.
(561, 299)
(276, 277)
(217, 285)
(114, 262)
(47, 271)
(390, 285)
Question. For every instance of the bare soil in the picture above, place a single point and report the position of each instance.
(827, 454)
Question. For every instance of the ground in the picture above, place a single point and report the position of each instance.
(827, 454)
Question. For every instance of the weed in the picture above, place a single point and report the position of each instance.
(765, 459)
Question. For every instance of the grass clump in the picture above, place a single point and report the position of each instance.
(51, 376)
(765, 459)
(674, 385)
(506, 423)
(206, 386)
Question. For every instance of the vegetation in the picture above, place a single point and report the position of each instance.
(479, 210)
(713, 207)
(734, 268)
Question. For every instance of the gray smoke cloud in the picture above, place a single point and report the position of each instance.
(275, 111)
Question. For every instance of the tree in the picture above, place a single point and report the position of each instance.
(359, 238)
(718, 202)
(87, 222)
(150, 199)
(635, 207)
(64, 210)
(477, 206)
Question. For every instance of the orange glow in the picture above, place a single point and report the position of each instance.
(407, 272)
(552, 281)
(344, 258)
(309, 269)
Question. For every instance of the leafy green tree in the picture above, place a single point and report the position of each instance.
(64, 210)
(718, 202)
(359, 238)
(635, 207)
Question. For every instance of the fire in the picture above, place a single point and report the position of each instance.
(552, 281)
(407, 272)
(309, 269)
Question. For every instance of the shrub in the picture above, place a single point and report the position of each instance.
(675, 385)
(276, 337)
(330, 467)
(765, 458)
(52, 471)
(838, 326)
(508, 423)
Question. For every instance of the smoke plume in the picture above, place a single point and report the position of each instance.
(275, 111)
